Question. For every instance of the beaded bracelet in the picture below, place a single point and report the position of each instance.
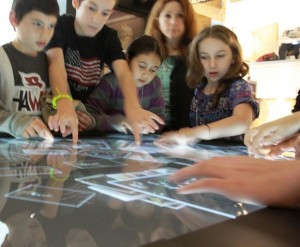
(60, 96)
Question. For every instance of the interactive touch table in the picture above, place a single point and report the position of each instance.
(105, 191)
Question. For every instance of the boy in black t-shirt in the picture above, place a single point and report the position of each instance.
(80, 47)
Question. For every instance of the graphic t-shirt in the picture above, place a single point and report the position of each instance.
(23, 80)
(30, 78)
(85, 56)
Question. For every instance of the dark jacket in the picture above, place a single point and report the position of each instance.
(180, 97)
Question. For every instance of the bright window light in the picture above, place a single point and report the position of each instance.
(7, 32)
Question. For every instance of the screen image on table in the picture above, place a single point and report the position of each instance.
(109, 176)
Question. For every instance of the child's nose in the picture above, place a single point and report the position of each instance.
(47, 33)
(212, 63)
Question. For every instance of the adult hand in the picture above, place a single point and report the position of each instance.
(37, 128)
(65, 120)
(245, 179)
(291, 145)
(137, 117)
(257, 139)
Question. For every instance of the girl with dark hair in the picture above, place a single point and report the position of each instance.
(106, 102)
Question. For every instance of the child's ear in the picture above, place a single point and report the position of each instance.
(13, 19)
(76, 4)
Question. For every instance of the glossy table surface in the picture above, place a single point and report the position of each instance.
(105, 191)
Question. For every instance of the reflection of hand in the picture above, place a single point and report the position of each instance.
(271, 133)
(36, 149)
(137, 117)
(65, 120)
(184, 136)
(125, 127)
(245, 178)
(58, 161)
(37, 129)
(85, 122)
(137, 158)
(195, 219)
(185, 152)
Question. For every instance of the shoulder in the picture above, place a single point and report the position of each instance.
(6, 48)
(66, 20)
(240, 85)
(65, 25)
(109, 76)
(4, 57)
(109, 79)
(156, 82)
(107, 33)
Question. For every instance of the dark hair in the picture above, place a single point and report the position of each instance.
(195, 72)
(143, 44)
(47, 7)
(116, 2)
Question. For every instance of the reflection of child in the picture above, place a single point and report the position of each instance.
(106, 102)
(223, 105)
(24, 68)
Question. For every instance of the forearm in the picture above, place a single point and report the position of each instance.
(227, 127)
(14, 123)
(127, 84)
(58, 77)
(57, 72)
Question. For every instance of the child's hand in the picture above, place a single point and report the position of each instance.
(37, 128)
(85, 122)
(126, 127)
(65, 120)
(138, 117)
(184, 136)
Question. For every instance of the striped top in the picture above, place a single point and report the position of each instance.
(106, 102)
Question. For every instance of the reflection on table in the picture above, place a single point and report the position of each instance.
(56, 194)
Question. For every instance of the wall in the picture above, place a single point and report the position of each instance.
(278, 83)
(261, 23)
(7, 33)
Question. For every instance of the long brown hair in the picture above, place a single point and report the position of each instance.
(152, 27)
(195, 73)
